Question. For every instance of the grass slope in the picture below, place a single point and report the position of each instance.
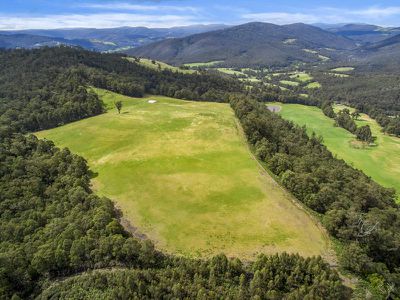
(182, 173)
(381, 162)
(159, 65)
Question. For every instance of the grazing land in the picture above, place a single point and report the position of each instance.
(313, 85)
(381, 162)
(162, 166)
(159, 65)
(302, 77)
(203, 64)
(291, 83)
(343, 69)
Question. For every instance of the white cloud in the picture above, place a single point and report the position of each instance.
(377, 12)
(281, 17)
(378, 15)
(107, 20)
(138, 7)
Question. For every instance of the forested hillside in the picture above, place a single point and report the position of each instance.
(251, 44)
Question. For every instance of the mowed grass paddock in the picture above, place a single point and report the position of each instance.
(380, 162)
(181, 172)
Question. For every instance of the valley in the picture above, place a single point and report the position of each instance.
(159, 162)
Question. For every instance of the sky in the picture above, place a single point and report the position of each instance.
(47, 14)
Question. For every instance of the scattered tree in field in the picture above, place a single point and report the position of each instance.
(364, 133)
(118, 106)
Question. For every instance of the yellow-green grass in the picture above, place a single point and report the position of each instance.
(323, 57)
(343, 69)
(290, 83)
(230, 71)
(301, 76)
(159, 65)
(182, 173)
(380, 162)
(310, 51)
(203, 64)
(313, 85)
(289, 41)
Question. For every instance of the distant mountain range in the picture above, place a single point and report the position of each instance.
(250, 44)
(107, 39)
(244, 45)
(365, 33)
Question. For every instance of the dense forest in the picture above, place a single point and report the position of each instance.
(59, 240)
(44, 88)
(374, 93)
(355, 209)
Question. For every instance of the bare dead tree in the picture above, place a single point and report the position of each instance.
(365, 228)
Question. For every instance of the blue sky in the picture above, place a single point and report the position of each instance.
(25, 14)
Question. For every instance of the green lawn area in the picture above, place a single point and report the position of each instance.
(182, 173)
(159, 65)
(203, 64)
(230, 71)
(302, 77)
(381, 162)
(291, 83)
(343, 69)
(313, 85)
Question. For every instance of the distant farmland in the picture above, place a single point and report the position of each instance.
(182, 174)
(381, 162)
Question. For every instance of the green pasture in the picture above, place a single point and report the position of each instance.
(182, 174)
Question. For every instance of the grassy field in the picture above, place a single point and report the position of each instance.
(159, 65)
(231, 71)
(291, 83)
(302, 77)
(203, 64)
(381, 162)
(182, 173)
(313, 85)
(343, 69)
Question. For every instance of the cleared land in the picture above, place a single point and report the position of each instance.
(302, 77)
(291, 83)
(182, 173)
(159, 65)
(313, 85)
(343, 69)
(203, 64)
(381, 162)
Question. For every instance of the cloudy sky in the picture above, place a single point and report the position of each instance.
(28, 14)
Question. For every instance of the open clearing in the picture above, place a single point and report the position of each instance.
(313, 85)
(381, 162)
(291, 83)
(343, 69)
(159, 65)
(181, 172)
(203, 64)
(302, 77)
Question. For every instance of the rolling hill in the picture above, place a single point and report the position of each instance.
(103, 39)
(365, 33)
(249, 44)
